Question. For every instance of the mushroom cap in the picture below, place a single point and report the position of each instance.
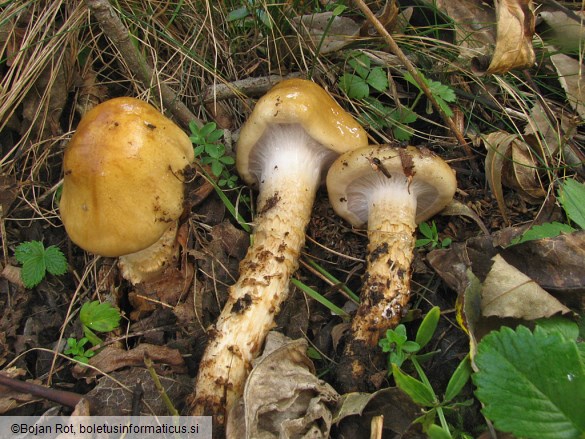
(297, 102)
(356, 174)
(123, 177)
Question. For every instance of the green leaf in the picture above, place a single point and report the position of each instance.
(446, 242)
(428, 326)
(541, 231)
(214, 150)
(193, 127)
(400, 117)
(90, 335)
(422, 242)
(29, 251)
(354, 86)
(237, 14)
(565, 327)
(458, 380)
(55, 261)
(101, 317)
(198, 149)
(361, 65)
(531, 384)
(227, 160)
(572, 198)
(436, 432)
(216, 168)
(31, 255)
(319, 298)
(339, 9)
(207, 129)
(410, 347)
(215, 136)
(264, 18)
(441, 91)
(426, 230)
(378, 79)
(414, 388)
(32, 273)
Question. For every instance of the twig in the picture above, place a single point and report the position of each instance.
(248, 86)
(115, 30)
(417, 77)
(68, 399)
(159, 387)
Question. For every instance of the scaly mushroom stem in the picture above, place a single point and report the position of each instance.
(150, 262)
(286, 198)
(386, 289)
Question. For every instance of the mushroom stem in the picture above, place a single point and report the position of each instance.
(145, 264)
(386, 290)
(287, 192)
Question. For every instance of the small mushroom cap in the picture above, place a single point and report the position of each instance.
(355, 174)
(298, 102)
(123, 177)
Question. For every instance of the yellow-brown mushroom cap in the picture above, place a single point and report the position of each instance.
(356, 175)
(123, 177)
(302, 103)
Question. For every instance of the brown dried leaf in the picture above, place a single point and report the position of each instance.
(300, 408)
(474, 23)
(556, 264)
(514, 36)
(507, 292)
(523, 173)
(326, 31)
(457, 208)
(564, 28)
(387, 16)
(498, 146)
(570, 74)
(113, 394)
(398, 410)
(511, 162)
(113, 358)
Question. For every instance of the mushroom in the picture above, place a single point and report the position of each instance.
(392, 190)
(123, 185)
(293, 134)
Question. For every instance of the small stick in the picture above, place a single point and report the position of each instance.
(247, 86)
(115, 30)
(63, 397)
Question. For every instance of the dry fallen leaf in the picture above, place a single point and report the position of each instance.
(498, 145)
(511, 162)
(325, 31)
(358, 409)
(554, 134)
(556, 264)
(474, 24)
(114, 393)
(564, 28)
(570, 74)
(113, 358)
(283, 398)
(457, 208)
(514, 36)
(507, 292)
